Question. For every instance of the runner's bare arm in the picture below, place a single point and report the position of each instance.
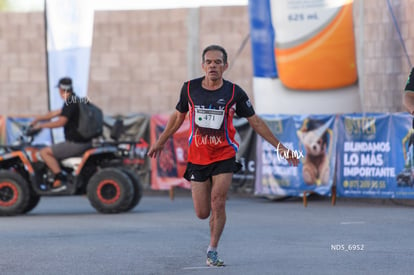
(408, 101)
(47, 116)
(174, 123)
(59, 122)
(263, 130)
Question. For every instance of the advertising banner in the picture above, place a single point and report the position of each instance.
(304, 57)
(2, 130)
(375, 156)
(168, 169)
(262, 38)
(313, 140)
(314, 43)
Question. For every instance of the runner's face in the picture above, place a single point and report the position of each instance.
(213, 65)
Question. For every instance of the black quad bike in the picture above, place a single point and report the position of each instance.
(100, 173)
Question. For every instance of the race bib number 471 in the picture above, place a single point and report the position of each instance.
(207, 118)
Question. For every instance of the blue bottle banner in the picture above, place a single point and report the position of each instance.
(262, 39)
(313, 140)
(374, 157)
(308, 44)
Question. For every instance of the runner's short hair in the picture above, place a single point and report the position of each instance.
(215, 48)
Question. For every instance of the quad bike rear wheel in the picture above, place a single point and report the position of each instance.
(138, 189)
(33, 202)
(110, 190)
(15, 193)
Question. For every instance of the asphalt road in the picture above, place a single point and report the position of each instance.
(65, 235)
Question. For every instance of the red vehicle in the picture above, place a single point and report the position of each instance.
(100, 173)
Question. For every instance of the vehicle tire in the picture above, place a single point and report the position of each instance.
(110, 191)
(15, 193)
(33, 202)
(138, 189)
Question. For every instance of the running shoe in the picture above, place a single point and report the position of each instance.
(213, 259)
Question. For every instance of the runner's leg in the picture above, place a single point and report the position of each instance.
(201, 193)
(220, 186)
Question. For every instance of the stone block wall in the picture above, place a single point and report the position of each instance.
(385, 66)
(140, 58)
(23, 87)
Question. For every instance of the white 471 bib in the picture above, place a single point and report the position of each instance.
(208, 118)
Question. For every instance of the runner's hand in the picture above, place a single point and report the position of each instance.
(155, 150)
(290, 156)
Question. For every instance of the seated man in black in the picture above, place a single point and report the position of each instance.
(74, 144)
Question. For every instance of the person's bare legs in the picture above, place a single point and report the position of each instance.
(200, 192)
(220, 186)
(59, 183)
(50, 160)
(211, 197)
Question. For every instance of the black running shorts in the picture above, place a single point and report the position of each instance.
(195, 172)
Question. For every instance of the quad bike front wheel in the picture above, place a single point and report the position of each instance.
(33, 202)
(110, 190)
(15, 193)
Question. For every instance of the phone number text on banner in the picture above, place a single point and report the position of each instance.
(374, 156)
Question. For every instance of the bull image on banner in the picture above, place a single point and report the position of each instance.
(375, 156)
(315, 138)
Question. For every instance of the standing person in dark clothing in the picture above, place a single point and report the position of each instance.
(66, 117)
(408, 98)
(211, 102)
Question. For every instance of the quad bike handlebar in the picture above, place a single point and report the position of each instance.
(29, 131)
(26, 137)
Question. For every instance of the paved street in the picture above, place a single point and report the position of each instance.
(66, 235)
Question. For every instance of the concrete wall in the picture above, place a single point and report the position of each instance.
(22, 63)
(141, 58)
(385, 67)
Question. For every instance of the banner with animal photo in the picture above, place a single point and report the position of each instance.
(168, 169)
(313, 140)
(375, 156)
